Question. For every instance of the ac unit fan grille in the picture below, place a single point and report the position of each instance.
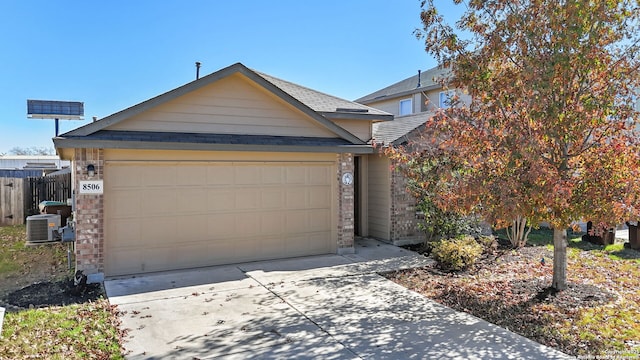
(37, 230)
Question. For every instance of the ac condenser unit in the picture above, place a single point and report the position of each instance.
(42, 228)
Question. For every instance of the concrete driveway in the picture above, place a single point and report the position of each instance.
(322, 307)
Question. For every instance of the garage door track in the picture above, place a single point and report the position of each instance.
(323, 307)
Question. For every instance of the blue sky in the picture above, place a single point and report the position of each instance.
(114, 54)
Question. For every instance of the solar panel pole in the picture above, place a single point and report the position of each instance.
(57, 127)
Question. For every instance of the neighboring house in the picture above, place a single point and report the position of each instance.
(21, 166)
(235, 166)
(413, 102)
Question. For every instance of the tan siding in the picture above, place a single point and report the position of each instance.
(379, 197)
(359, 128)
(391, 106)
(233, 105)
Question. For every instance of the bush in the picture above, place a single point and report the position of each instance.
(456, 254)
(488, 243)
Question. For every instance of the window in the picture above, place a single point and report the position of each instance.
(406, 107)
(445, 98)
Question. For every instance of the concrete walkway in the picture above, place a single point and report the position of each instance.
(321, 307)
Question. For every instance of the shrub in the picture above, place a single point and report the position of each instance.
(488, 243)
(456, 254)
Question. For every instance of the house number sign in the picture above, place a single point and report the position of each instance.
(91, 187)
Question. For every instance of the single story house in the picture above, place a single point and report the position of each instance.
(235, 166)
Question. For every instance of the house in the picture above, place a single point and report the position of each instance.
(412, 101)
(235, 166)
(21, 166)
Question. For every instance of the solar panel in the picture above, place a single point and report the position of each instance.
(48, 109)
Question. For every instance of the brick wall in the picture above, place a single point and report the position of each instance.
(89, 214)
(345, 206)
(404, 222)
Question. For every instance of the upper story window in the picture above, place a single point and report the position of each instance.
(406, 107)
(445, 99)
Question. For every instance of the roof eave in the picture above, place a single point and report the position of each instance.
(399, 94)
(356, 116)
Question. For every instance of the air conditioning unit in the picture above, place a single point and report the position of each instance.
(43, 229)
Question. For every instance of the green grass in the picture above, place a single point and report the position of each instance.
(10, 247)
(81, 331)
(69, 332)
(541, 237)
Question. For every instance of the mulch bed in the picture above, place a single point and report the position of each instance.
(52, 293)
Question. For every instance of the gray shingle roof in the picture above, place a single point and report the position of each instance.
(396, 132)
(407, 86)
(200, 138)
(315, 104)
(316, 100)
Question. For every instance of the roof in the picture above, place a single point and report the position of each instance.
(321, 102)
(407, 86)
(399, 130)
(313, 103)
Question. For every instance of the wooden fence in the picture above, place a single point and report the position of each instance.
(11, 201)
(45, 188)
(20, 197)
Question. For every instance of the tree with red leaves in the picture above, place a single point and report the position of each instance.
(543, 125)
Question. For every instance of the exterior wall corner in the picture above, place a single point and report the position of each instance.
(89, 213)
(346, 195)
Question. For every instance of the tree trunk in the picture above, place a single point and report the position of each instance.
(559, 259)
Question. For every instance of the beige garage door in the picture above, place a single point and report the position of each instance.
(173, 215)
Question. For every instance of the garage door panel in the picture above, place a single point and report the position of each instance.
(247, 199)
(190, 201)
(159, 201)
(319, 197)
(222, 225)
(273, 246)
(159, 230)
(248, 225)
(271, 175)
(271, 223)
(318, 220)
(247, 175)
(124, 204)
(202, 214)
(296, 197)
(124, 176)
(124, 261)
(296, 175)
(124, 232)
(295, 222)
(193, 227)
(221, 200)
(191, 175)
(220, 175)
(272, 198)
(316, 242)
(159, 175)
(320, 175)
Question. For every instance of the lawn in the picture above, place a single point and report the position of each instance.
(32, 279)
(598, 315)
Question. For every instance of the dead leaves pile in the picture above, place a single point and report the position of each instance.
(598, 313)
